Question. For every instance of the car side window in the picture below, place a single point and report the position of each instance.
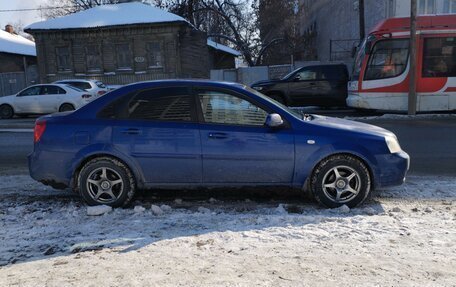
(223, 108)
(164, 104)
(333, 73)
(310, 74)
(33, 91)
(51, 90)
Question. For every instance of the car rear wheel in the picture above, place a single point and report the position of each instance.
(66, 108)
(341, 180)
(106, 181)
(6, 112)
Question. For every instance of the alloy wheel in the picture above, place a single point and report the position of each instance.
(105, 185)
(341, 184)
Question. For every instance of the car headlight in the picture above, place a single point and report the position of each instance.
(393, 144)
(258, 88)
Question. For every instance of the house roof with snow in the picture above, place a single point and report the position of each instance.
(223, 48)
(118, 15)
(15, 44)
(109, 15)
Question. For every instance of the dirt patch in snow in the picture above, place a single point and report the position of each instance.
(404, 236)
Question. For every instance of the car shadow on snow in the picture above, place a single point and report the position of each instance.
(43, 224)
(42, 227)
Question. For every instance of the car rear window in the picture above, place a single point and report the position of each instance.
(74, 88)
(81, 85)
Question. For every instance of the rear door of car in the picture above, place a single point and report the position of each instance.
(50, 98)
(158, 128)
(237, 147)
(336, 77)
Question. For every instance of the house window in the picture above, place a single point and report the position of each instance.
(426, 7)
(124, 57)
(449, 6)
(63, 58)
(93, 58)
(155, 54)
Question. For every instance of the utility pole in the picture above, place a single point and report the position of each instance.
(412, 84)
(361, 19)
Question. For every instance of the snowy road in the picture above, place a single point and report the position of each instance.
(404, 236)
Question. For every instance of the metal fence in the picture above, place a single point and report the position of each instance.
(11, 83)
(249, 75)
(341, 50)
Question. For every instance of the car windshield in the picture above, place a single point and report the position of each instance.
(293, 112)
(74, 88)
(289, 75)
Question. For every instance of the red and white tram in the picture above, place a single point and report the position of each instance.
(380, 78)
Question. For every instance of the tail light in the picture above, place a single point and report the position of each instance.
(100, 93)
(40, 127)
(86, 96)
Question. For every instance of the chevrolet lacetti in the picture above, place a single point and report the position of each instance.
(203, 134)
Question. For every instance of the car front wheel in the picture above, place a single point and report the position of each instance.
(106, 181)
(341, 180)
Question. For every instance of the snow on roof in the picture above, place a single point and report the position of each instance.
(109, 15)
(223, 48)
(15, 44)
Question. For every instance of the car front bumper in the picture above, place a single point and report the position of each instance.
(392, 169)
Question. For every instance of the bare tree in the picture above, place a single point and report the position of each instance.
(58, 8)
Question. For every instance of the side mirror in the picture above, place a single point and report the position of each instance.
(297, 78)
(274, 121)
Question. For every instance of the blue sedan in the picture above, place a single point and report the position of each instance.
(193, 134)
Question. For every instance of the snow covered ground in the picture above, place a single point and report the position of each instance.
(404, 236)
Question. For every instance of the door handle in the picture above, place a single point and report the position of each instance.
(131, 131)
(218, 135)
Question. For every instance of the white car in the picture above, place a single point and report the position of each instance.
(96, 88)
(43, 99)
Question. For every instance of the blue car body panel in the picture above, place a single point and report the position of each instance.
(192, 154)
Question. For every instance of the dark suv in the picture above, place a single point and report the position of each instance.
(315, 85)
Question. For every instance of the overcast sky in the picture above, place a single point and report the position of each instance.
(25, 18)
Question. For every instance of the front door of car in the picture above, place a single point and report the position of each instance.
(27, 100)
(237, 147)
(158, 128)
(307, 86)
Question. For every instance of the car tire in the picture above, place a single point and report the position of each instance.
(66, 108)
(340, 180)
(6, 112)
(106, 181)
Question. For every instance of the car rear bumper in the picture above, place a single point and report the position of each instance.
(47, 169)
(392, 169)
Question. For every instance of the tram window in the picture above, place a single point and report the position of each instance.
(439, 57)
(388, 59)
